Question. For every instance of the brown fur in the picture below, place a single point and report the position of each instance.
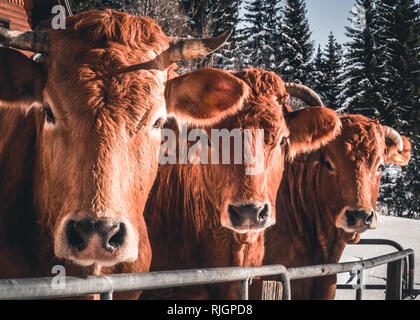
(310, 198)
(186, 206)
(99, 159)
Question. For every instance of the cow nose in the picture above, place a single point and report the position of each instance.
(356, 217)
(79, 234)
(255, 212)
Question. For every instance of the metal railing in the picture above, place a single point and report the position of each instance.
(407, 281)
(42, 288)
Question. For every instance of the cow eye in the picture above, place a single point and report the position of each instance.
(380, 168)
(49, 115)
(159, 123)
(328, 165)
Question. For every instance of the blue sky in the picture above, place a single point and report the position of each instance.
(328, 15)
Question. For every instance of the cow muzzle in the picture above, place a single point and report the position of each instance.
(356, 219)
(101, 241)
(248, 217)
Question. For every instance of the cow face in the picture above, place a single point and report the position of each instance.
(99, 131)
(245, 192)
(350, 171)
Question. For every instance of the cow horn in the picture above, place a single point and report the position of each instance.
(183, 49)
(395, 137)
(307, 95)
(36, 41)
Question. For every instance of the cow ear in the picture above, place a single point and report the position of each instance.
(21, 79)
(311, 128)
(392, 156)
(204, 96)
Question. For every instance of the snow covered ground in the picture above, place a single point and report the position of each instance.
(404, 231)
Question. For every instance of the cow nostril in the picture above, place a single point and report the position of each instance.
(115, 237)
(233, 213)
(244, 213)
(369, 218)
(263, 215)
(78, 235)
(350, 216)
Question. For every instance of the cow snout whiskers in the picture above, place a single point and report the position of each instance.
(249, 216)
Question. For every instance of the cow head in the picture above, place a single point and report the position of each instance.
(244, 192)
(351, 167)
(101, 94)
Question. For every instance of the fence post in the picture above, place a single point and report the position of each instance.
(106, 295)
(394, 280)
(360, 284)
(243, 289)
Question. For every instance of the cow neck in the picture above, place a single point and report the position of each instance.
(178, 207)
(304, 217)
(20, 234)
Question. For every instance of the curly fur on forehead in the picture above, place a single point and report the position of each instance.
(263, 107)
(98, 43)
(360, 137)
(264, 83)
(112, 28)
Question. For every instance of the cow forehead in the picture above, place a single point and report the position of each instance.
(133, 38)
(360, 141)
(260, 113)
(84, 58)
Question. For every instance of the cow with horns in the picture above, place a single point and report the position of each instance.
(213, 215)
(327, 198)
(80, 133)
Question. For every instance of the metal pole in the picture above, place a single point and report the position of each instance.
(393, 281)
(106, 295)
(41, 288)
(243, 289)
(360, 284)
(328, 269)
(287, 291)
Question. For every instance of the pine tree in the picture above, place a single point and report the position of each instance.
(362, 93)
(385, 13)
(297, 48)
(83, 5)
(399, 38)
(227, 17)
(273, 34)
(254, 35)
(212, 17)
(332, 71)
(318, 73)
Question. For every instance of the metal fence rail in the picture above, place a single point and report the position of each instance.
(41, 288)
(407, 282)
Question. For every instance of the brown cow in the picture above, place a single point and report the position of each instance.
(80, 135)
(328, 198)
(212, 215)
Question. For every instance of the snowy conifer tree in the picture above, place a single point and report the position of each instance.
(399, 37)
(332, 71)
(212, 17)
(318, 73)
(297, 48)
(254, 35)
(362, 92)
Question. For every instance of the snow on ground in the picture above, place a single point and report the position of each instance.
(404, 231)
